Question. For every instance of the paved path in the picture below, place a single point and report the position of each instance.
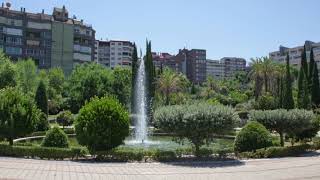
(284, 169)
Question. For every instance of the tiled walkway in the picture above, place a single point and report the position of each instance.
(286, 168)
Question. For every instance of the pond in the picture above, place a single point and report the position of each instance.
(155, 142)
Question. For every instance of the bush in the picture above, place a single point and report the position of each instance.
(65, 118)
(197, 122)
(282, 121)
(252, 137)
(102, 124)
(161, 155)
(43, 123)
(265, 102)
(41, 152)
(276, 152)
(55, 137)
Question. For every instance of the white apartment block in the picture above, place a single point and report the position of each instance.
(114, 53)
(215, 69)
(295, 54)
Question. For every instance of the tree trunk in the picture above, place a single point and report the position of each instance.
(281, 139)
(11, 141)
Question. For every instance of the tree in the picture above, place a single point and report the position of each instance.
(102, 124)
(283, 121)
(288, 102)
(8, 74)
(312, 64)
(150, 77)
(56, 82)
(170, 82)
(122, 84)
(65, 118)
(87, 81)
(315, 88)
(196, 122)
(41, 98)
(18, 114)
(252, 137)
(27, 76)
(304, 101)
(134, 70)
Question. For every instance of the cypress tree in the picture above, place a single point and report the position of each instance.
(315, 88)
(304, 100)
(41, 98)
(288, 102)
(150, 75)
(311, 66)
(134, 69)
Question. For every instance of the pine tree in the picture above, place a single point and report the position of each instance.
(304, 63)
(288, 102)
(41, 98)
(315, 89)
(134, 68)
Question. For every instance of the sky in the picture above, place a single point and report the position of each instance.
(225, 28)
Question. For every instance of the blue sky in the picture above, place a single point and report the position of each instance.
(242, 28)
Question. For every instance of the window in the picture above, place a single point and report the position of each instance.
(13, 50)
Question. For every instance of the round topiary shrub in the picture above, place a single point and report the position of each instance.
(252, 137)
(102, 124)
(56, 137)
(65, 118)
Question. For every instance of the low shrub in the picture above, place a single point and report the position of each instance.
(41, 152)
(55, 137)
(161, 155)
(252, 137)
(316, 143)
(204, 153)
(65, 118)
(276, 152)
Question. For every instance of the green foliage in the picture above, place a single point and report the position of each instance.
(315, 88)
(196, 122)
(288, 102)
(276, 152)
(238, 97)
(171, 83)
(42, 124)
(27, 76)
(87, 81)
(55, 137)
(150, 77)
(265, 102)
(41, 98)
(65, 118)
(102, 124)
(134, 71)
(282, 121)
(18, 114)
(303, 99)
(252, 137)
(122, 84)
(41, 152)
(8, 73)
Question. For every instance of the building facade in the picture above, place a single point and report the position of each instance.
(295, 53)
(50, 40)
(114, 53)
(215, 69)
(195, 64)
(233, 65)
(166, 60)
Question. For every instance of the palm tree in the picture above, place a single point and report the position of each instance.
(256, 74)
(170, 82)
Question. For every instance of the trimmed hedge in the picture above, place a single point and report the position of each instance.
(41, 152)
(276, 152)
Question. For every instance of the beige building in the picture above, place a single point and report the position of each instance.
(215, 69)
(295, 53)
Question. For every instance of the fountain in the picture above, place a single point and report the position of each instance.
(141, 129)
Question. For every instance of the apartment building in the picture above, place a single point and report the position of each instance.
(215, 69)
(295, 53)
(50, 40)
(233, 65)
(114, 53)
(163, 60)
(195, 66)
